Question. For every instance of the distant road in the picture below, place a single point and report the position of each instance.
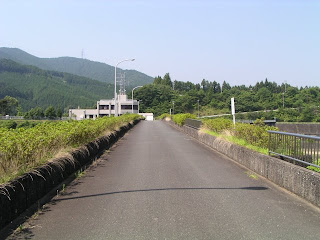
(158, 183)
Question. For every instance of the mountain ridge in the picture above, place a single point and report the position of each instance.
(77, 66)
(35, 87)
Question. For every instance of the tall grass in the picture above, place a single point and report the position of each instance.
(22, 149)
(181, 118)
(253, 134)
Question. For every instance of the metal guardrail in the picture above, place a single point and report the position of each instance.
(11, 117)
(193, 123)
(296, 147)
(22, 118)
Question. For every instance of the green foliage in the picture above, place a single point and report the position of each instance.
(217, 125)
(34, 87)
(27, 124)
(154, 98)
(181, 118)
(8, 124)
(316, 169)
(34, 113)
(22, 149)
(50, 113)
(8, 105)
(300, 104)
(163, 116)
(255, 134)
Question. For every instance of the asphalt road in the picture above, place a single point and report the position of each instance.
(158, 183)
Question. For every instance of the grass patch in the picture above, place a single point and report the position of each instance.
(252, 175)
(237, 141)
(316, 169)
(79, 174)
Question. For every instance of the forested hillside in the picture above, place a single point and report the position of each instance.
(78, 66)
(34, 87)
(290, 103)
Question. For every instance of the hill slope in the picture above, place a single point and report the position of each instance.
(78, 66)
(34, 87)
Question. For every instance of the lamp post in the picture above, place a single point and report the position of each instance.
(132, 96)
(173, 108)
(139, 105)
(115, 85)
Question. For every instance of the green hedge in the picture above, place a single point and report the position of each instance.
(22, 149)
(181, 118)
(164, 115)
(217, 125)
(255, 134)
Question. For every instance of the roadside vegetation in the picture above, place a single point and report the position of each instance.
(22, 149)
(181, 118)
(285, 102)
(254, 136)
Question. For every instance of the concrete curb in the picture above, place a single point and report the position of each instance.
(300, 181)
(28, 190)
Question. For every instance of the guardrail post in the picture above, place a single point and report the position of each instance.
(269, 142)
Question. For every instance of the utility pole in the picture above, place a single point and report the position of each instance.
(173, 108)
(198, 109)
(285, 90)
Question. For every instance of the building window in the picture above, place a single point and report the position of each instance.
(125, 107)
(103, 107)
(112, 107)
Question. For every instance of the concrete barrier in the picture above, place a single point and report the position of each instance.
(26, 191)
(300, 181)
(301, 128)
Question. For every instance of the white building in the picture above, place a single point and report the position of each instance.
(107, 108)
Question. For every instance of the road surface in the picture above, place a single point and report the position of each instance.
(158, 183)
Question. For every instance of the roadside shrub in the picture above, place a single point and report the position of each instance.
(8, 124)
(181, 118)
(255, 134)
(25, 148)
(218, 125)
(27, 124)
(163, 116)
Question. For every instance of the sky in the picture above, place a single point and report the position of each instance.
(241, 42)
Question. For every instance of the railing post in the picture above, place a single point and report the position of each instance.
(296, 147)
(269, 142)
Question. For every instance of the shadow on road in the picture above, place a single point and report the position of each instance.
(158, 189)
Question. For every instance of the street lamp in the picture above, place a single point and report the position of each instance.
(115, 85)
(173, 108)
(139, 101)
(132, 96)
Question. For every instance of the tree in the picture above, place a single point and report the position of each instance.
(34, 113)
(59, 112)
(8, 105)
(225, 86)
(157, 80)
(50, 112)
(166, 80)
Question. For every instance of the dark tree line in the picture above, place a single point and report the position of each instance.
(292, 103)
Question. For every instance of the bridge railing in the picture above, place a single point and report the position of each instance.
(296, 147)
